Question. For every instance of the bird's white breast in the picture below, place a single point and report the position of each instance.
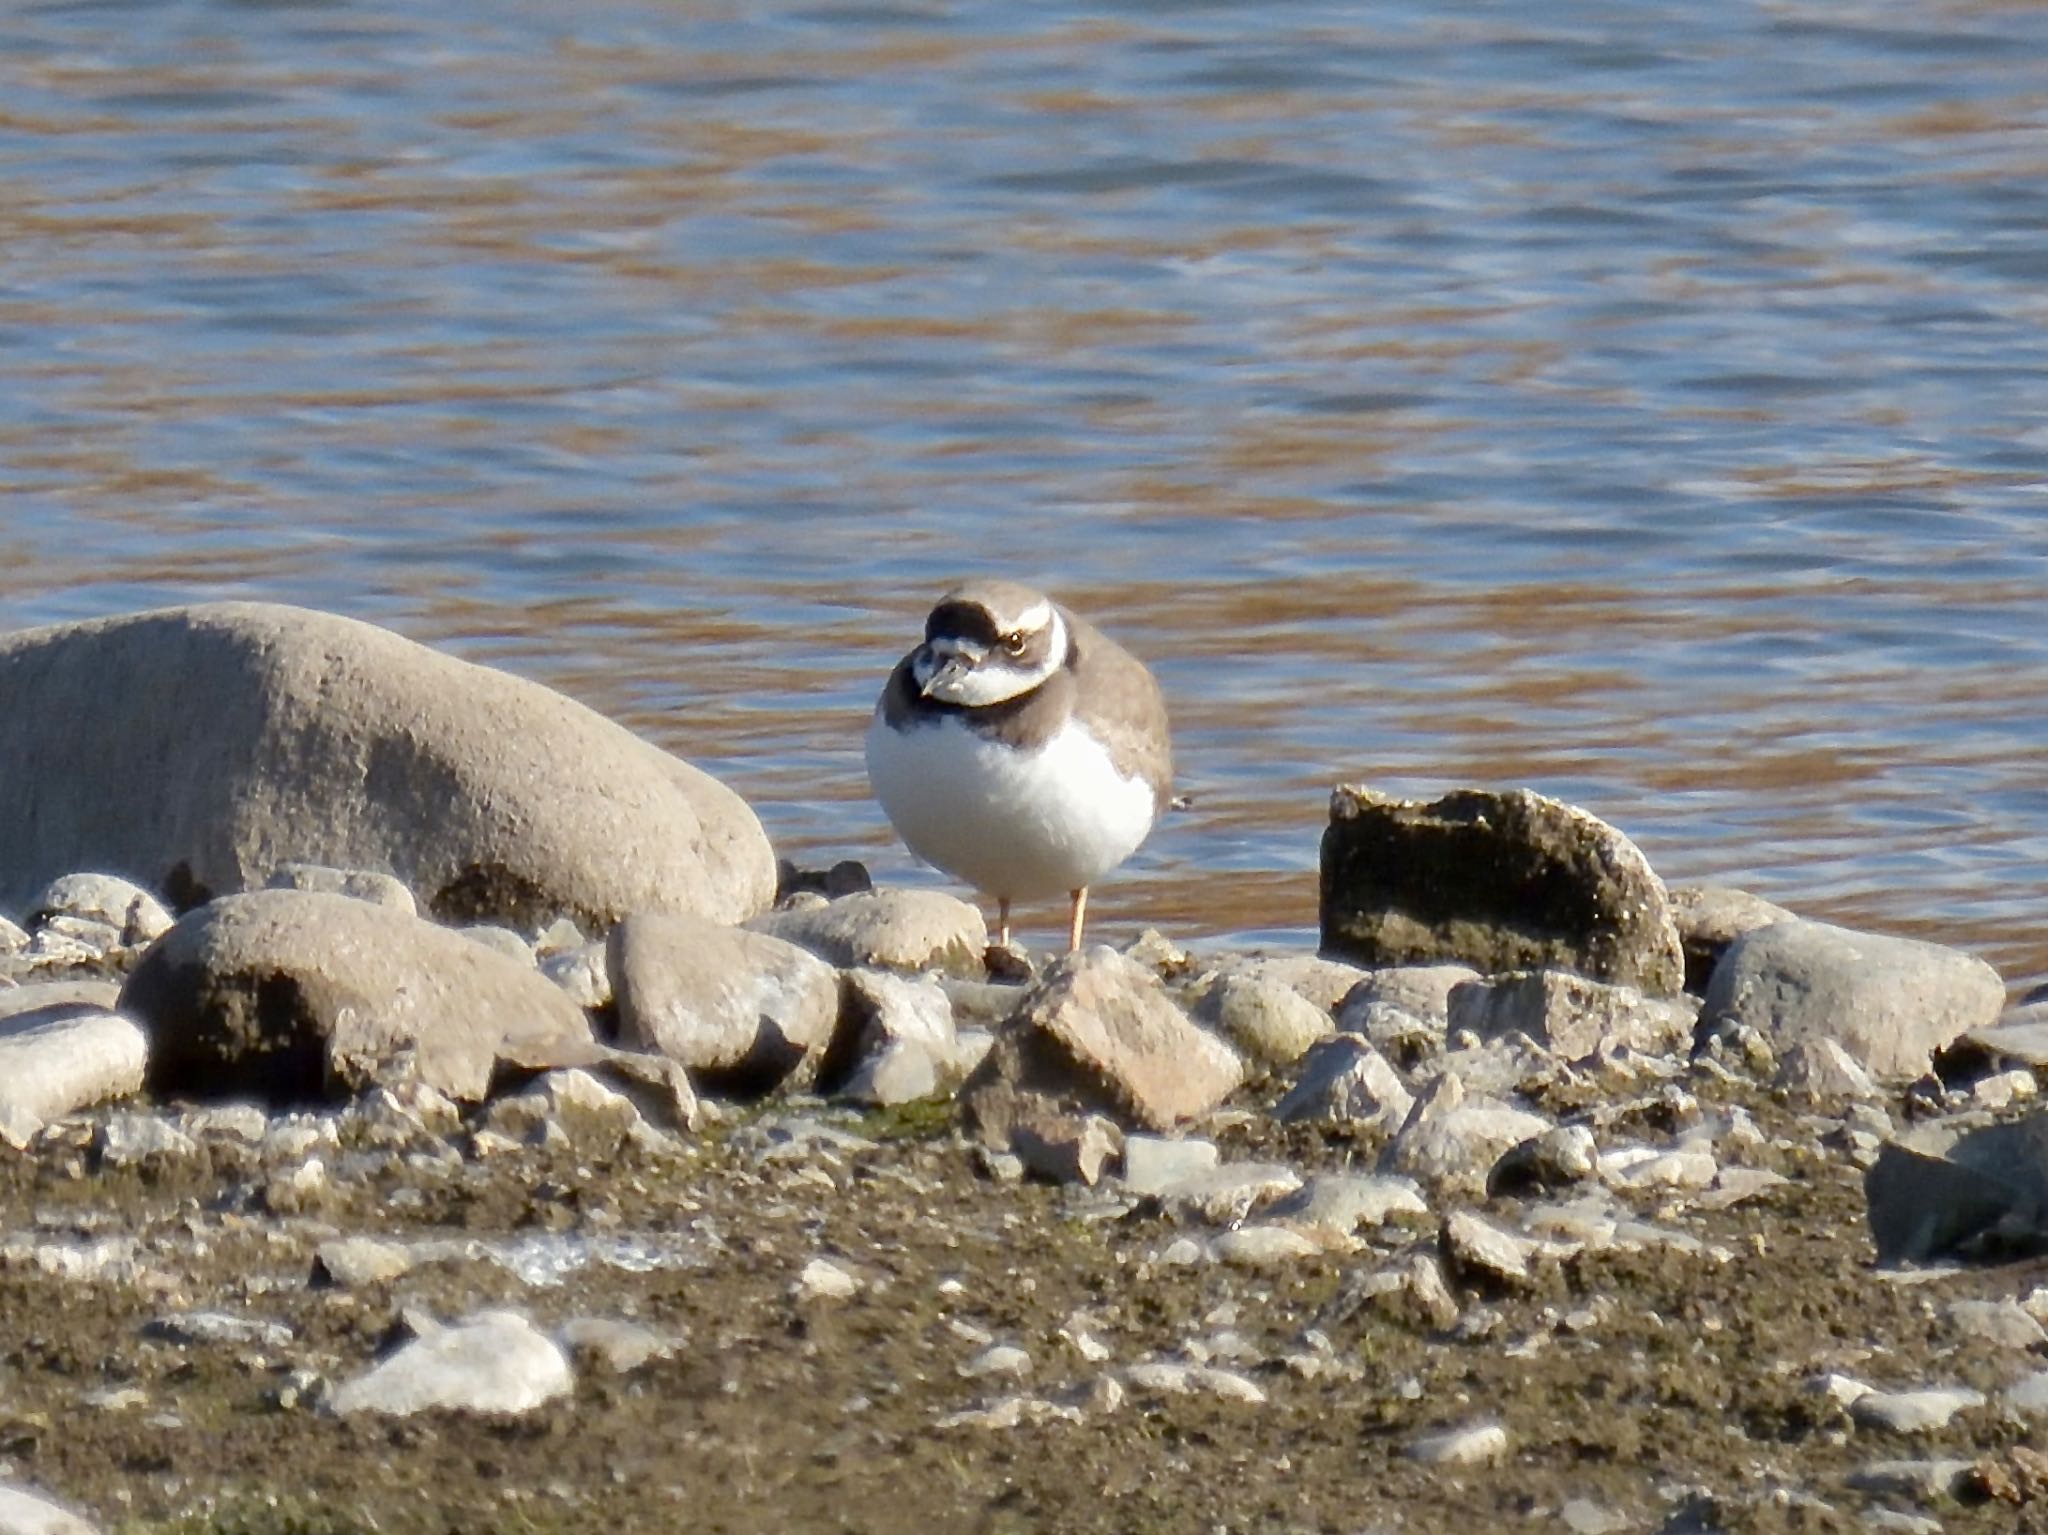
(1019, 824)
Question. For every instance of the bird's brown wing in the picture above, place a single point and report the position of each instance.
(1120, 703)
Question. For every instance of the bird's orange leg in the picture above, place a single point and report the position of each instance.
(1080, 915)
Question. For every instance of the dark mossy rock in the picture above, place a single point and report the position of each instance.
(1498, 881)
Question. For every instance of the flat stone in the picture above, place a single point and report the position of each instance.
(135, 915)
(1153, 1163)
(1099, 1034)
(1226, 1193)
(334, 742)
(621, 1347)
(1822, 1071)
(495, 1362)
(1173, 1378)
(1269, 1022)
(1472, 1444)
(1321, 982)
(357, 884)
(1449, 1143)
(1571, 1015)
(1649, 1167)
(2027, 1396)
(886, 930)
(62, 1056)
(130, 1140)
(1475, 1248)
(218, 1328)
(822, 1279)
(1344, 1202)
(291, 996)
(353, 1262)
(1421, 990)
(743, 1011)
(1890, 1002)
(1344, 1080)
(1913, 1412)
(23, 1512)
(1003, 1360)
(1736, 1185)
(1498, 881)
(1263, 1246)
(1709, 919)
(2003, 1323)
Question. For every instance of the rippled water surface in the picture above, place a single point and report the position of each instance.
(1643, 402)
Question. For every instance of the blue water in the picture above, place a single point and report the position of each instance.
(1641, 402)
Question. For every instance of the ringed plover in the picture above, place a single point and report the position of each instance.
(1020, 749)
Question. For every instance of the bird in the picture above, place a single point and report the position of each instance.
(1020, 749)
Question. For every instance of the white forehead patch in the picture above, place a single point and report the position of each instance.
(1035, 617)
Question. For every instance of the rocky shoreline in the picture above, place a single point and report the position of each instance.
(410, 1126)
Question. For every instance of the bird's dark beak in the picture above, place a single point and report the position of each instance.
(948, 675)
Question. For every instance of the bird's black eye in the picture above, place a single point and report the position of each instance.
(1015, 643)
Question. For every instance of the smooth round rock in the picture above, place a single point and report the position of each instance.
(1270, 1022)
(1890, 1002)
(292, 996)
(324, 740)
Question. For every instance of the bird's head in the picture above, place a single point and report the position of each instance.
(988, 642)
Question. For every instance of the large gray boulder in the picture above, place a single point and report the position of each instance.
(1890, 1002)
(199, 749)
(296, 996)
(1498, 881)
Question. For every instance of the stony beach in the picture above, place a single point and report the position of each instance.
(429, 1107)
